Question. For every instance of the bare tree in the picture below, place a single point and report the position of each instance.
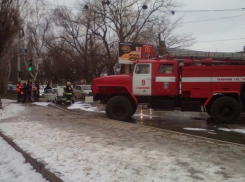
(59, 65)
(166, 29)
(128, 21)
(9, 27)
(37, 24)
(76, 40)
(90, 37)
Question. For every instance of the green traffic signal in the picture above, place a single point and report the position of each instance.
(30, 65)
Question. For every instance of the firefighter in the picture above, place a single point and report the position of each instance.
(29, 88)
(36, 92)
(18, 89)
(68, 91)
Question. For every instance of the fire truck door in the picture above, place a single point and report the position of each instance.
(142, 79)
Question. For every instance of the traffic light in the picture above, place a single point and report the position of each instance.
(30, 67)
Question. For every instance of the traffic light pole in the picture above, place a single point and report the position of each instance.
(18, 57)
(18, 62)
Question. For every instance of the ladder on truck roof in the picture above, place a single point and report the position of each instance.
(187, 54)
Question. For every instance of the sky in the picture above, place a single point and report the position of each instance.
(221, 25)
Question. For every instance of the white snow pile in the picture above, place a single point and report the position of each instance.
(45, 104)
(234, 130)
(83, 106)
(13, 167)
(10, 109)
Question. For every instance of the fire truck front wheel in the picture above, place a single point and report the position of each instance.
(119, 108)
(225, 109)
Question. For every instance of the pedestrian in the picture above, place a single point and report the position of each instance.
(24, 92)
(18, 89)
(29, 88)
(36, 92)
(68, 92)
(47, 87)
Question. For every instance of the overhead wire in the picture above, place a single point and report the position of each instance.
(187, 11)
(228, 17)
(221, 40)
(215, 10)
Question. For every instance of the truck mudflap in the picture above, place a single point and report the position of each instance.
(242, 96)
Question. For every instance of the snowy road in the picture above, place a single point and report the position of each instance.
(84, 148)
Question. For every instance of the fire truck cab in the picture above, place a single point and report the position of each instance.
(167, 84)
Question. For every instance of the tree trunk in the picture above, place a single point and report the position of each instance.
(4, 74)
(1, 106)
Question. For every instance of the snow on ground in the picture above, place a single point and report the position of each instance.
(13, 167)
(83, 106)
(92, 157)
(197, 129)
(10, 109)
(234, 130)
(79, 151)
(41, 103)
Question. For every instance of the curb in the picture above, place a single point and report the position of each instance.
(38, 166)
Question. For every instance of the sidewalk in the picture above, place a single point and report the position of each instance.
(81, 148)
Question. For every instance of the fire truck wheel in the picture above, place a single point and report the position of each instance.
(119, 108)
(242, 95)
(225, 110)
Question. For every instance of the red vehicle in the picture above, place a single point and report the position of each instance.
(166, 84)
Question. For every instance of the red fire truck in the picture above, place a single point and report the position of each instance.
(185, 80)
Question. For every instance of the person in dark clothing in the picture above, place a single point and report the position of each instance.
(47, 87)
(68, 91)
(29, 88)
(25, 92)
(36, 92)
(18, 89)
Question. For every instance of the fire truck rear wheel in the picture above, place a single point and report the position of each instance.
(119, 108)
(225, 110)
